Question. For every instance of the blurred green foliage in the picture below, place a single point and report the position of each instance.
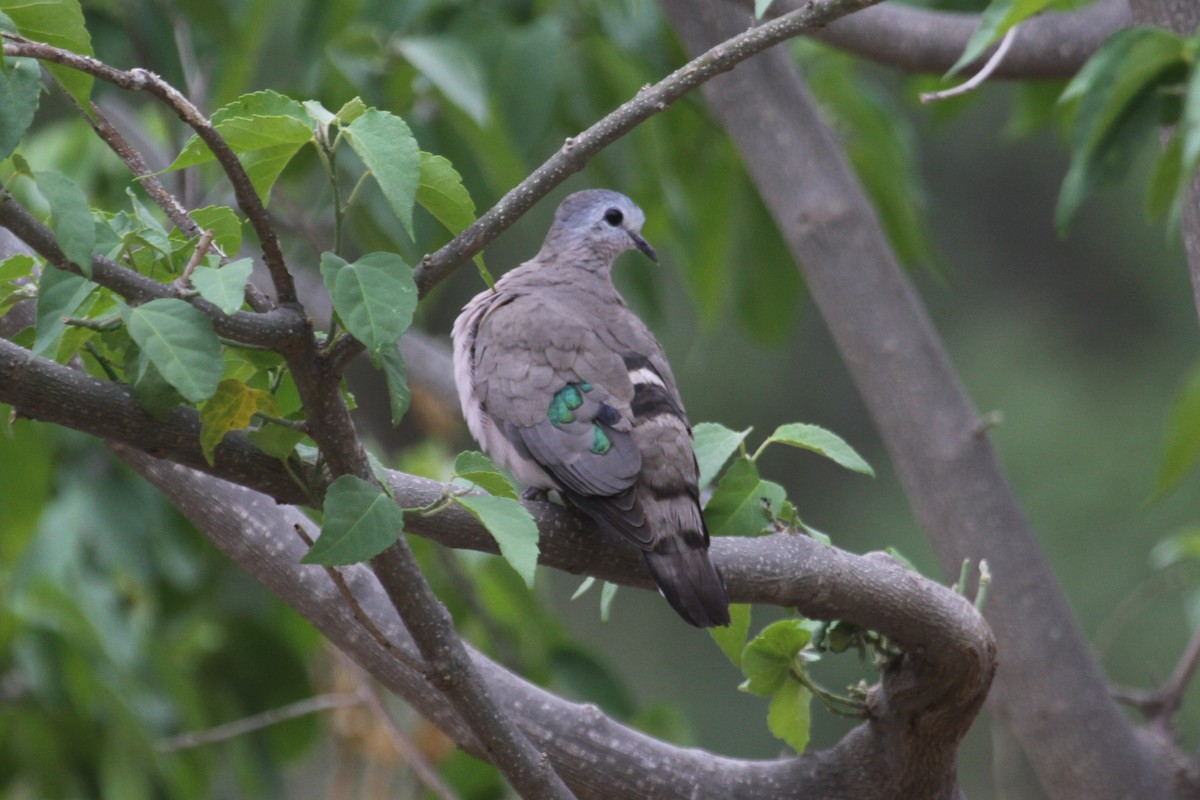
(120, 627)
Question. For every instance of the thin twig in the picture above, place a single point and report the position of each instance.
(979, 77)
(202, 246)
(267, 329)
(359, 614)
(461, 583)
(300, 708)
(421, 767)
(143, 80)
(578, 150)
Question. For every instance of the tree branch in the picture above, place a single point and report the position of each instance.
(1048, 687)
(578, 150)
(1052, 45)
(139, 80)
(268, 329)
(949, 658)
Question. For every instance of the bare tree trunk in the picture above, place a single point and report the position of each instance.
(1048, 689)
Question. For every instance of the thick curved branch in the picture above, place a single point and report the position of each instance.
(946, 671)
(1048, 688)
(1052, 45)
(43, 390)
(141, 80)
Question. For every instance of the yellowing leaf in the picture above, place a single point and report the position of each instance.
(230, 409)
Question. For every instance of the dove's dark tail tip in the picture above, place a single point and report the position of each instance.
(688, 580)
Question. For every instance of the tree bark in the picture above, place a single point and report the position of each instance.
(1049, 689)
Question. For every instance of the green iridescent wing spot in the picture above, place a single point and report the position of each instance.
(585, 386)
(566, 400)
(601, 444)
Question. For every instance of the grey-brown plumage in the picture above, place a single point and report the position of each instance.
(563, 385)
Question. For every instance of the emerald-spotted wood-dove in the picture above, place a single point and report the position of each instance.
(566, 388)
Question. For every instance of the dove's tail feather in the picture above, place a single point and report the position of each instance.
(688, 579)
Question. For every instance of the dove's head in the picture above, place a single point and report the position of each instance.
(598, 222)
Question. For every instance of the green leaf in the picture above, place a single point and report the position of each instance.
(442, 194)
(225, 224)
(608, 593)
(231, 408)
(732, 638)
(276, 440)
(152, 391)
(995, 21)
(820, 440)
(587, 583)
(1119, 103)
(1163, 187)
(1182, 448)
(60, 293)
(179, 340)
(375, 298)
(483, 472)
(20, 90)
(266, 130)
(761, 7)
(714, 444)
(12, 269)
(71, 218)
(768, 659)
(58, 23)
(386, 146)
(789, 714)
(513, 528)
(361, 521)
(351, 110)
(395, 375)
(1182, 545)
(737, 508)
(224, 287)
(452, 68)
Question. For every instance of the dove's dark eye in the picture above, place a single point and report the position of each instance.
(613, 217)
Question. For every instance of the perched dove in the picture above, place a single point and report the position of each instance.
(567, 389)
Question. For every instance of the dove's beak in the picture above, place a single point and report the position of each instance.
(644, 246)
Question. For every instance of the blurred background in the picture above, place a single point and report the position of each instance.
(121, 628)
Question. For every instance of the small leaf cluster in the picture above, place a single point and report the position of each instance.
(1140, 80)
(361, 519)
(743, 503)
